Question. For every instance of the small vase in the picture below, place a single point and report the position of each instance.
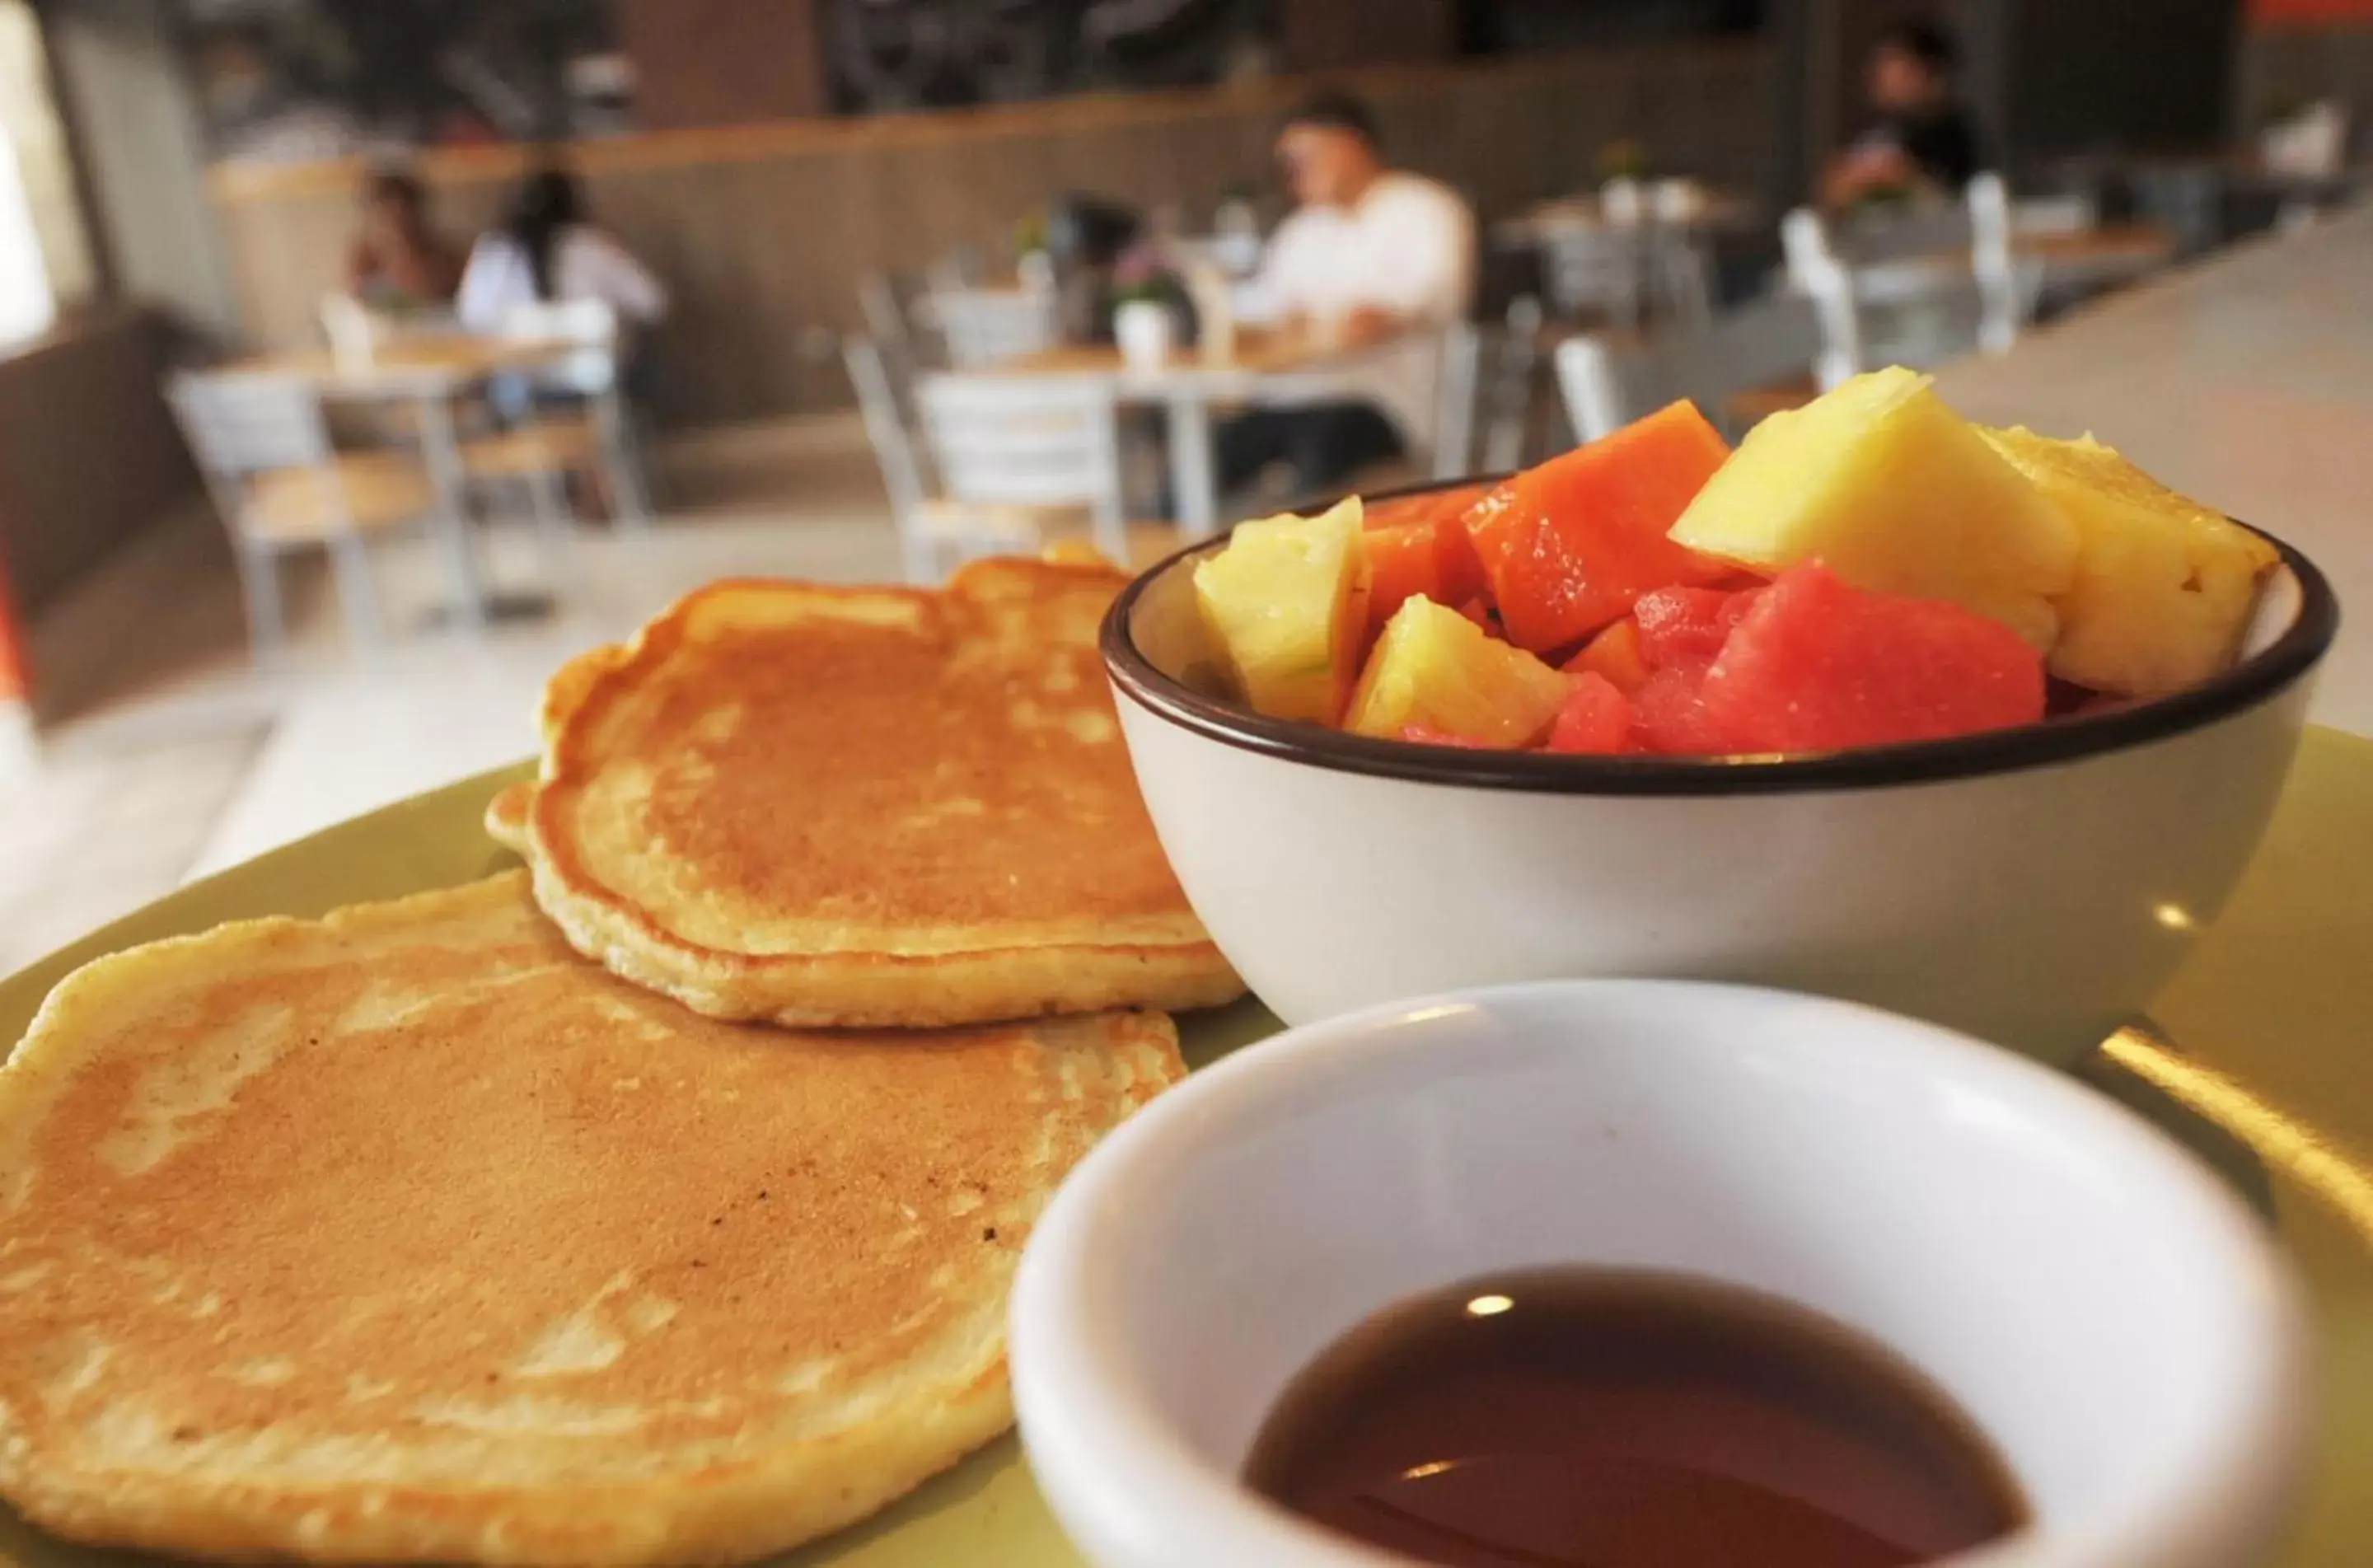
(1145, 331)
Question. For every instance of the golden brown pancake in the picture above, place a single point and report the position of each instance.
(408, 1234)
(829, 806)
(507, 815)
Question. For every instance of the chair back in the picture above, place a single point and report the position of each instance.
(1023, 441)
(2003, 303)
(1596, 268)
(885, 427)
(983, 327)
(1920, 234)
(2071, 212)
(1683, 275)
(238, 424)
(1508, 400)
(354, 330)
(1457, 384)
(885, 318)
(1814, 272)
(1608, 382)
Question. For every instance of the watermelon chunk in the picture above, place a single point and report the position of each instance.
(1688, 626)
(1668, 715)
(1594, 721)
(1571, 546)
(1816, 665)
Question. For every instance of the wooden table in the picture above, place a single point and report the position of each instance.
(1188, 386)
(2247, 381)
(1718, 212)
(427, 371)
(2094, 257)
(409, 365)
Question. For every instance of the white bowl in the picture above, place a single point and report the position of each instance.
(2034, 887)
(2114, 1319)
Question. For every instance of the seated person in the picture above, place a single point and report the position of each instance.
(548, 249)
(397, 261)
(1369, 253)
(1920, 138)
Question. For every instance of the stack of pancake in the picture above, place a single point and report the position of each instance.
(655, 1204)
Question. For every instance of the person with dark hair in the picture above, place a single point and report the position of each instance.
(548, 250)
(1919, 138)
(396, 260)
(1372, 258)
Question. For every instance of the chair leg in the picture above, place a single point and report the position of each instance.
(469, 583)
(267, 623)
(350, 566)
(556, 523)
(614, 428)
(920, 555)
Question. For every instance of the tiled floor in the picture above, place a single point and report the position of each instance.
(179, 760)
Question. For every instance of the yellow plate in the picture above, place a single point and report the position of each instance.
(2262, 1065)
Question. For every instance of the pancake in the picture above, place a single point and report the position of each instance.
(507, 815)
(408, 1234)
(871, 807)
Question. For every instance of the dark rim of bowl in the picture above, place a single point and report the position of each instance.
(2289, 659)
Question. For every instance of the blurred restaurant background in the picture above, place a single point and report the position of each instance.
(362, 359)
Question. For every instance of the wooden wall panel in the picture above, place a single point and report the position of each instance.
(2286, 67)
(762, 232)
(1331, 35)
(89, 457)
(704, 63)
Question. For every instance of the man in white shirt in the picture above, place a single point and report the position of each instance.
(1372, 258)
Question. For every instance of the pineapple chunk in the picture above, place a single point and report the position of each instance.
(2164, 586)
(1434, 667)
(1288, 602)
(1897, 493)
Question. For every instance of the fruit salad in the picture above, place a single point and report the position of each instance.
(1869, 569)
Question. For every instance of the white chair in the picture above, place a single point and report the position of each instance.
(1457, 387)
(884, 412)
(1004, 461)
(1594, 269)
(354, 331)
(1608, 382)
(984, 326)
(1814, 272)
(1044, 443)
(546, 447)
(262, 446)
(1682, 276)
(2074, 212)
(1921, 287)
(1508, 396)
(2007, 290)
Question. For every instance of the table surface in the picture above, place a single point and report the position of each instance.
(2265, 1031)
(2245, 381)
(2143, 242)
(1717, 209)
(1258, 352)
(410, 360)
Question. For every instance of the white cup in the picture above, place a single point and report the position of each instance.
(1677, 201)
(1622, 201)
(1144, 331)
(2105, 1310)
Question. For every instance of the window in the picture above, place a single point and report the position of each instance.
(45, 260)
